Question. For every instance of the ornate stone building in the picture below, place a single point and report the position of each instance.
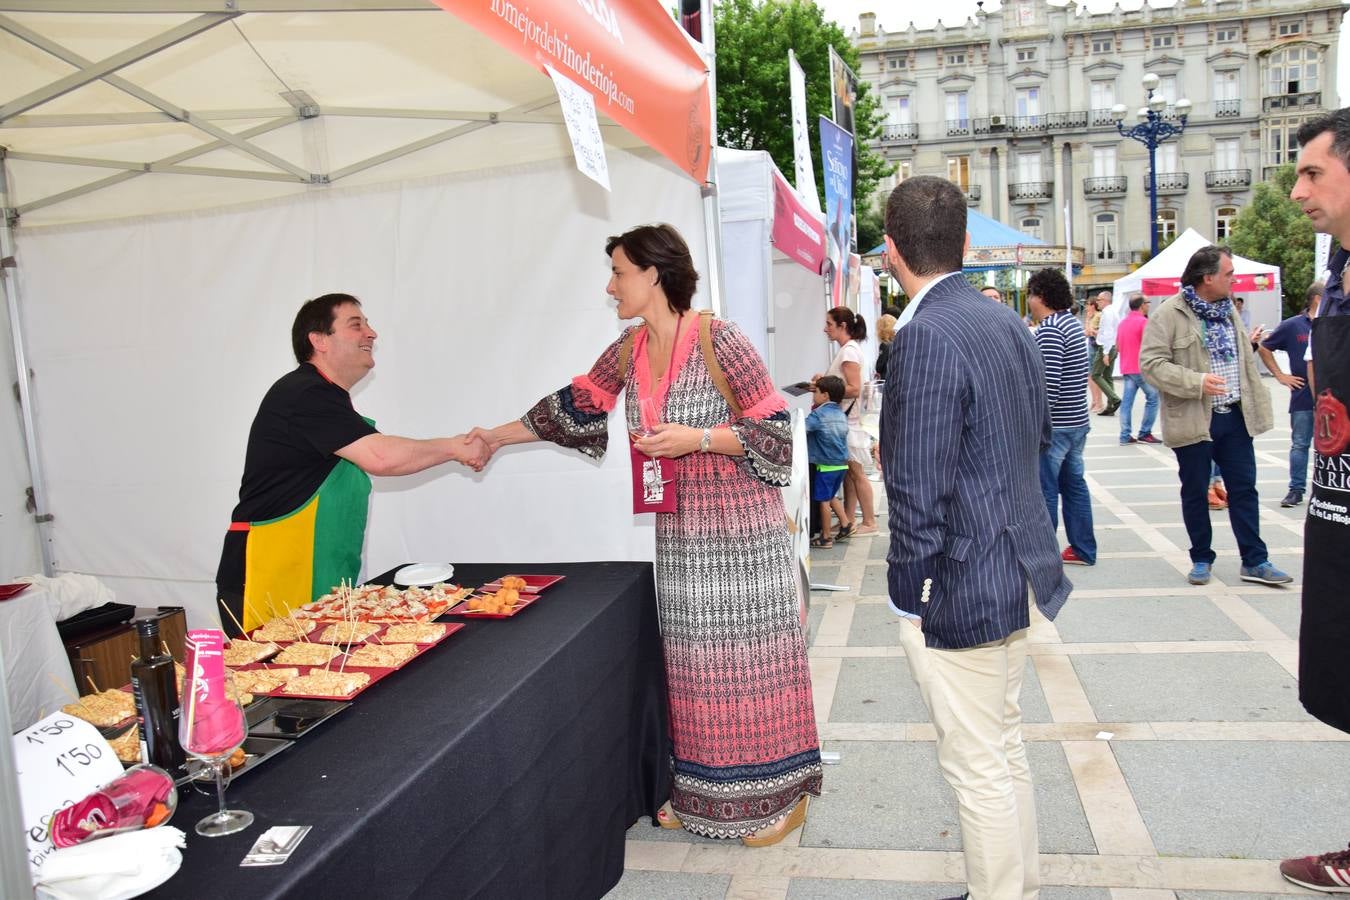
(1015, 106)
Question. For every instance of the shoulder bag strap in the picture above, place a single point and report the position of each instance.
(626, 354)
(719, 378)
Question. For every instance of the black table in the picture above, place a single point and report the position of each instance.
(507, 762)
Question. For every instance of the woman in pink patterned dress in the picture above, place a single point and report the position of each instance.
(746, 752)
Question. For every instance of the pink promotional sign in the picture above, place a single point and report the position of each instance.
(1166, 287)
(797, 233)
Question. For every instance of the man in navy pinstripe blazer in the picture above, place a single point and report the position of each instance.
(963, 423)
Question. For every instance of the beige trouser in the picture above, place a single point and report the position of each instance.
(973, 698)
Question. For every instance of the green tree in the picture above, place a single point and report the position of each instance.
(1273, 229)
(754, 106)
(871, 226)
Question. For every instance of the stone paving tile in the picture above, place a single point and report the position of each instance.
(874, 625)
(1238, 799)
(881, 689)
(1122, 478)
(841, 889)
(1222, 895)
(891, 795)
(814, 614)
(877, 552)
(874, 581)
(1222, 542)
(1282, 608)
(1134, 573)
(1118, 540)
(824, 573)
(1098, 620)
(1184, 687)
(639, 885)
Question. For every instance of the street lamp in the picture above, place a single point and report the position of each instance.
(1151, 131)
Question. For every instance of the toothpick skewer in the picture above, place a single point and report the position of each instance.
(65, 689)
(165, 644)
(90, 679)
(230, 612)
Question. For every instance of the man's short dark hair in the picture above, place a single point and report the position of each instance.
(1137, 302)
(1052, 288)
(832, 385)
(1315, 290)
(1338, 123)
(926, 220)
(891, 310)
(315, 317)
(1204, 261)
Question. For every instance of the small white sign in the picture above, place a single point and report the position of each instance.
(60, 761)
(578, 107)
(1105, 735)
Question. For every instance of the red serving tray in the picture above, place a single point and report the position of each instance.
(462, 609)
(533, 583)
(8, 591)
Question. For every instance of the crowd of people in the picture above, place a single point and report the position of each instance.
(983, 426)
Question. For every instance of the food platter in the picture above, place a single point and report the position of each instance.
(533, 583)
(462, 609)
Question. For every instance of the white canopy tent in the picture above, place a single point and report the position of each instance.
(279, 150)
(1257, 282)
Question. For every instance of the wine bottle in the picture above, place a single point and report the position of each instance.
(156, 691)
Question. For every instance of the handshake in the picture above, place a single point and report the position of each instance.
(474, 448)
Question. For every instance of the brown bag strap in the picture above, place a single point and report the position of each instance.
(719, 378)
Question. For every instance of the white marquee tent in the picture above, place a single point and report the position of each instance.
(186, 173)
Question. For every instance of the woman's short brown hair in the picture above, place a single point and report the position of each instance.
(660, 247)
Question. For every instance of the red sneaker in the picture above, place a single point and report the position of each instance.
(1329, 872)
(1072, 559)
(1148, 439)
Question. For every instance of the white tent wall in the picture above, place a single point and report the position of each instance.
(19, 554)
(154, 339)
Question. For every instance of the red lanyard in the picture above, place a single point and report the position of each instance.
(662, 386)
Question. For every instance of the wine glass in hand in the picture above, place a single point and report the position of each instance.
(211, 725)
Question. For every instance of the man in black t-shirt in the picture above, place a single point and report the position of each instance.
(301, 517)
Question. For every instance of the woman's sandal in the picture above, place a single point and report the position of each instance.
(772, 834)
(666, 818)
(845, 532)
(822, 543)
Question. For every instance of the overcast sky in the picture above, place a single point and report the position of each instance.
(895, 15)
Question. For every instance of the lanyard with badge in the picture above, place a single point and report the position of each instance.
(654, 479)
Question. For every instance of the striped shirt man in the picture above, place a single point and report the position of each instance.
(1064, 349)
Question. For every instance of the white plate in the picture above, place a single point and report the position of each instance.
(424, 573)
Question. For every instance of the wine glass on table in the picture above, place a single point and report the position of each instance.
(211, 726)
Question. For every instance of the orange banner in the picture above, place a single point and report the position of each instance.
(630, 54)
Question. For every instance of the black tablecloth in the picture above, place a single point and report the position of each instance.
(507, 762)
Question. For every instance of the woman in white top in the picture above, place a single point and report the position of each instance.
(846, 329)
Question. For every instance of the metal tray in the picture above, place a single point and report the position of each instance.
(287, 717)
(258, 750)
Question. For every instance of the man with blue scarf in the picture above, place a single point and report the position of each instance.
(1196, 353)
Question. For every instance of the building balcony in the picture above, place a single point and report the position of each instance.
(1225, 181)
(1227, 109)
(1105, 186)
(1171, 182)
(1031, 191)
(958, 127)
(894, 133)
(1292, 101)
(973, 195)
(1099, 117)
(1063, 121)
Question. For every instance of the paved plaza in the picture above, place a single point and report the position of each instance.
(1170, 753)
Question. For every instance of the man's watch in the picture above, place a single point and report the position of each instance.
(706, 443)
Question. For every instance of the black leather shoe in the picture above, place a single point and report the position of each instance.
(1111, 407)
(1293, 498)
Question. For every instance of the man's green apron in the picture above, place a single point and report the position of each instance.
(291, 559)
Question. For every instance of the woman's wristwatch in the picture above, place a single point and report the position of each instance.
(706, 444)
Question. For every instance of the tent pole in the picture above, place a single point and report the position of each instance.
(712, 213)
(9, 276)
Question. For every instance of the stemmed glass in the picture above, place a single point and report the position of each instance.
(211, 726)
(648, 416)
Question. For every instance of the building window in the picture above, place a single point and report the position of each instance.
(1289, 28)
(1226, 85)
(1026, 54)
(1226, 154)
(899, 112)
(1103, 94)
(1031, 226)
(1103, 162)
(1224, 217)
(1105, 241)
(1163, 40)
(896, 63)
(1167, 88)
(1293, 70)
(1226, 34)
(1167, 158)
(1167, 226)
(958, 171)
(1103, 44)
(958, 109)
(903, 169)
(956, 58)
(1028, 101)
(1279, 142)
(1028, 167)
